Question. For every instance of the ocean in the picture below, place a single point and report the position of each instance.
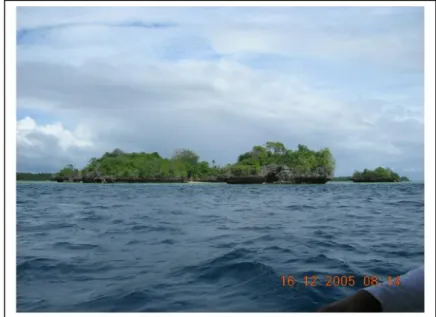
(210, 247)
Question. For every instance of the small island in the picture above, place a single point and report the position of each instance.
(271, 163)
(379, 175)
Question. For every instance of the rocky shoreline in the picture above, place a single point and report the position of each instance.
(110, 179)
(374, 180)
(229, 180)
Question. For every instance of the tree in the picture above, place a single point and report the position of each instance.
(275, 148)
(117, 152)
(186, 156)
(327, 161)
(68, 171)
(260, 154)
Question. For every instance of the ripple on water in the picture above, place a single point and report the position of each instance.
(51, 267)
(220, 248)
(75, 246)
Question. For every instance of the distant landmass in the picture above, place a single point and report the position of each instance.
(41, 177)
(378, 175)
(350, 179)
(268, 163)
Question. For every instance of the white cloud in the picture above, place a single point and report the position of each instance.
(50, 146)
(27, 129)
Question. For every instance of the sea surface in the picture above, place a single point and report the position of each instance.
(209, 247)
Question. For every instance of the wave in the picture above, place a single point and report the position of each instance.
(334, 246)
(46, 227)
(301, 207)
(92, 218)
(411, 203)
(119, 301)
(148, 228)
(170, 248)
(54, 268)
(74, 246)
(260, 228)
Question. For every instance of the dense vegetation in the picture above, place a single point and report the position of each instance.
(303, 161)
(187, 164)
(379, 174)
(34, 176)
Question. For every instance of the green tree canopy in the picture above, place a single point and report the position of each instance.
(186, 163)
(378, 174)
(69, 171)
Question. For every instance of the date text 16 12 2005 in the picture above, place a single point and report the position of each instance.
(339, 280)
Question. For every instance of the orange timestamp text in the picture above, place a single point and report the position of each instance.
(338, 280)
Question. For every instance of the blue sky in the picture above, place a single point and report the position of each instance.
(220, 80)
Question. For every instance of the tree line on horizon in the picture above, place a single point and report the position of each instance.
(185, 163)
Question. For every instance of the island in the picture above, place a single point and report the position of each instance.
(271, 163)
(379, 175)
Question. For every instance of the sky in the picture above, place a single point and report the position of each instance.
(219, 81)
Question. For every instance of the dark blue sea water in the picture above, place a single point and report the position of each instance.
(208, 247)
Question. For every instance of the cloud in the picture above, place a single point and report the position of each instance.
(46, 147)
(157, 79)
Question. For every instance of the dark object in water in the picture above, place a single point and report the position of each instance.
(246, 180)
(374, 180)
(272, 180)
(311, 180)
